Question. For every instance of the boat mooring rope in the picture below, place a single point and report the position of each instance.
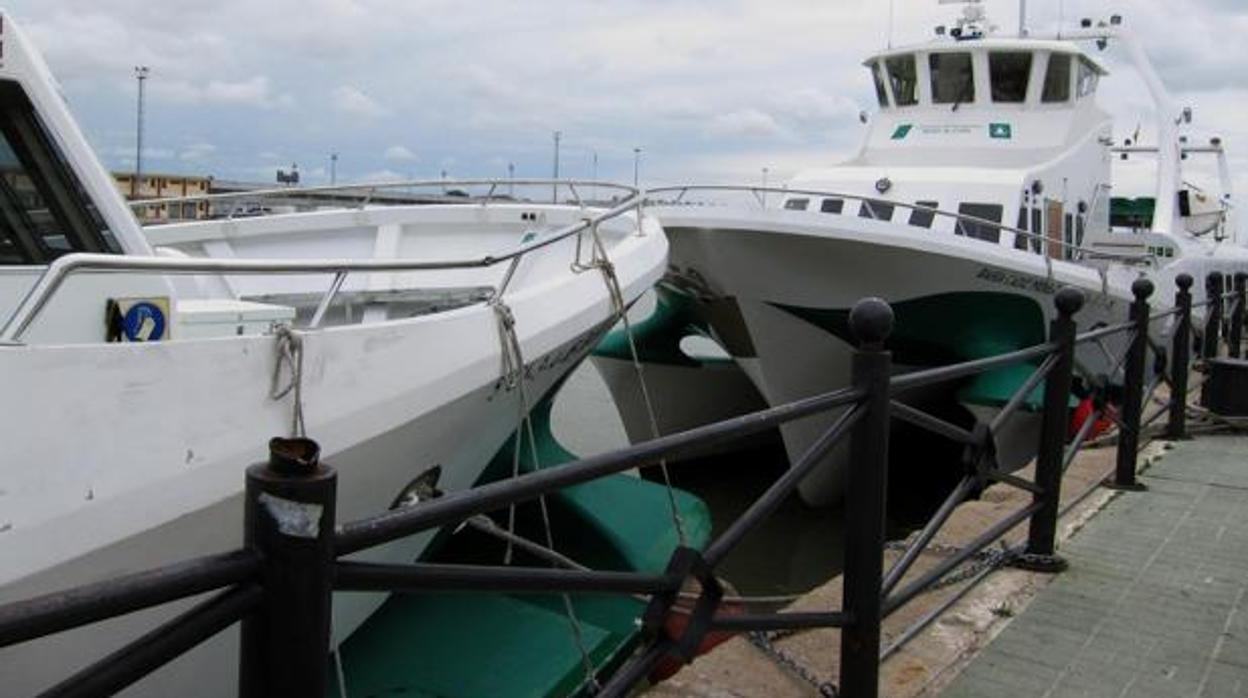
(514, 370)
(290, 355)
(603, 263)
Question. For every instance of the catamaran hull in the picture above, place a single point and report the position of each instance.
(794, 285)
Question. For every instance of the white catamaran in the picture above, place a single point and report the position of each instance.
(140, 381)
(983, 186)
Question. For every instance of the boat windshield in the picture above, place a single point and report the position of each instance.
(1010, 72)
(953, 81)
(1057, 80)
(44, 210)
(877, 73)
(904, 78)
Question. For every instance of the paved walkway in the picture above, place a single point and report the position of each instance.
(1153, 603)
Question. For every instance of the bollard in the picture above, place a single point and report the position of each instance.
(1041, 554)
(1180, 362)
(1235, 336)
(871, 322)
(1213, 314)
(289, 520)
(1133, 390)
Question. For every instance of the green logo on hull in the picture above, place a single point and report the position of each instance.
(902, 131)
(1001, 131)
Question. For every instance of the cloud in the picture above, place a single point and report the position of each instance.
(252, 92)
(399, 153)
(747, 123)
(197, 151)
(352, 102)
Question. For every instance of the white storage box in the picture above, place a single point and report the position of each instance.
(228, 318)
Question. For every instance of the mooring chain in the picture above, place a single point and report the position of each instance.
(989, 558)
(514, 375)
(764, 642)
(290, 356)
(602, 262)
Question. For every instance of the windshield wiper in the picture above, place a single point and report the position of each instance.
(968, 89)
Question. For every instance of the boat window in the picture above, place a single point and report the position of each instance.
(1010, 72)
(44, 210)
(1020, 240)
(953, 81)
(797, 204)
(904, 78)
(1057, 79)
(877, 74)
(832, 205)
(1068, 235)
(878, 210)
(923, 213)
(980, 231)
(1087, 78)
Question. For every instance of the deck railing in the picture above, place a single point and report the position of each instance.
(68, 265)
(281, 583)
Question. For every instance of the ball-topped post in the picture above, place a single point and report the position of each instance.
(1180, 358)
(1142, 289)
(871, 322)
(1068, 301)
(1133, 388)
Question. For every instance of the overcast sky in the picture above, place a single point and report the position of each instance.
(709, 89)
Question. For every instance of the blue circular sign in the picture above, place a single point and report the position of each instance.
(143, 322)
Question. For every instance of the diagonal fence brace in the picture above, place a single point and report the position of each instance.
(686, 563)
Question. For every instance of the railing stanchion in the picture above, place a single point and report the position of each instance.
(1213, 314)
(289, 519)
(871, 321)
(1180, 362)
(1236, 335)
(1041, 552)
(1133, 390)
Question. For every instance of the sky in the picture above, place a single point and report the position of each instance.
(709, 90)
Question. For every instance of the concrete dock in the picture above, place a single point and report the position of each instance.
(1152, 604)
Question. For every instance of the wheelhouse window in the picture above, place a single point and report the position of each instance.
(1010, 72)
(974, 228)
(953, 80)
(797, 204)
(1088, 78)
(904, 79)
(923, 214)
(877, 75)
(877, 210)
(832, 206)
(1057, 79)
(1020, 240)
(44, 210)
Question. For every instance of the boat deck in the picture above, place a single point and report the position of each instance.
(1151, 604)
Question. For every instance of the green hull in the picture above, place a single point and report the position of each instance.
(496, 645)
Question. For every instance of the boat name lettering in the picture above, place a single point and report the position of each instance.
(573, 350)
(1016, 280)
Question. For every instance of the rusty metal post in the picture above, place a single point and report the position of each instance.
(871, 322)
(1213, 314)
(1133, 390)
(1180, 361)
(289, 520)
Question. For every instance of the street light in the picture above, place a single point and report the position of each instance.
(140, 73)
(636, 167)
(511, 179)
(554, 188)
(765, 171)
(333, 168)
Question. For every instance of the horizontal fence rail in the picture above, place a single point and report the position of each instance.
(281, 585)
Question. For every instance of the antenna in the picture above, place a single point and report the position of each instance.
(891, 5)
(1022, 18)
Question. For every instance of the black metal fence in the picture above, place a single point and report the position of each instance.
(280, 584)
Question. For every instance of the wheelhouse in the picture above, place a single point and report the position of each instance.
(988, 73)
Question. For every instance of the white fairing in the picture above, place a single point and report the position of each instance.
(123, 456)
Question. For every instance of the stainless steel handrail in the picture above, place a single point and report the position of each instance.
(62, 268)
(369, 189)
(1139, 259)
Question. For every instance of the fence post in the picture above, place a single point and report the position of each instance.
(289, 520)
(1236, 335)
(1133, 390)
(1041, 552)
(871, 321)
(1213, 314)
(1180, 361)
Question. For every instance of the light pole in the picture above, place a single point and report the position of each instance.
(593, 176)
(140, 73)
(636, 167)
(511, 179)
(554, 188)
(765, 171)
(333, 168)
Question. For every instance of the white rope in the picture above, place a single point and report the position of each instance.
(290, 355)
(514, 373)
(620, 308)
